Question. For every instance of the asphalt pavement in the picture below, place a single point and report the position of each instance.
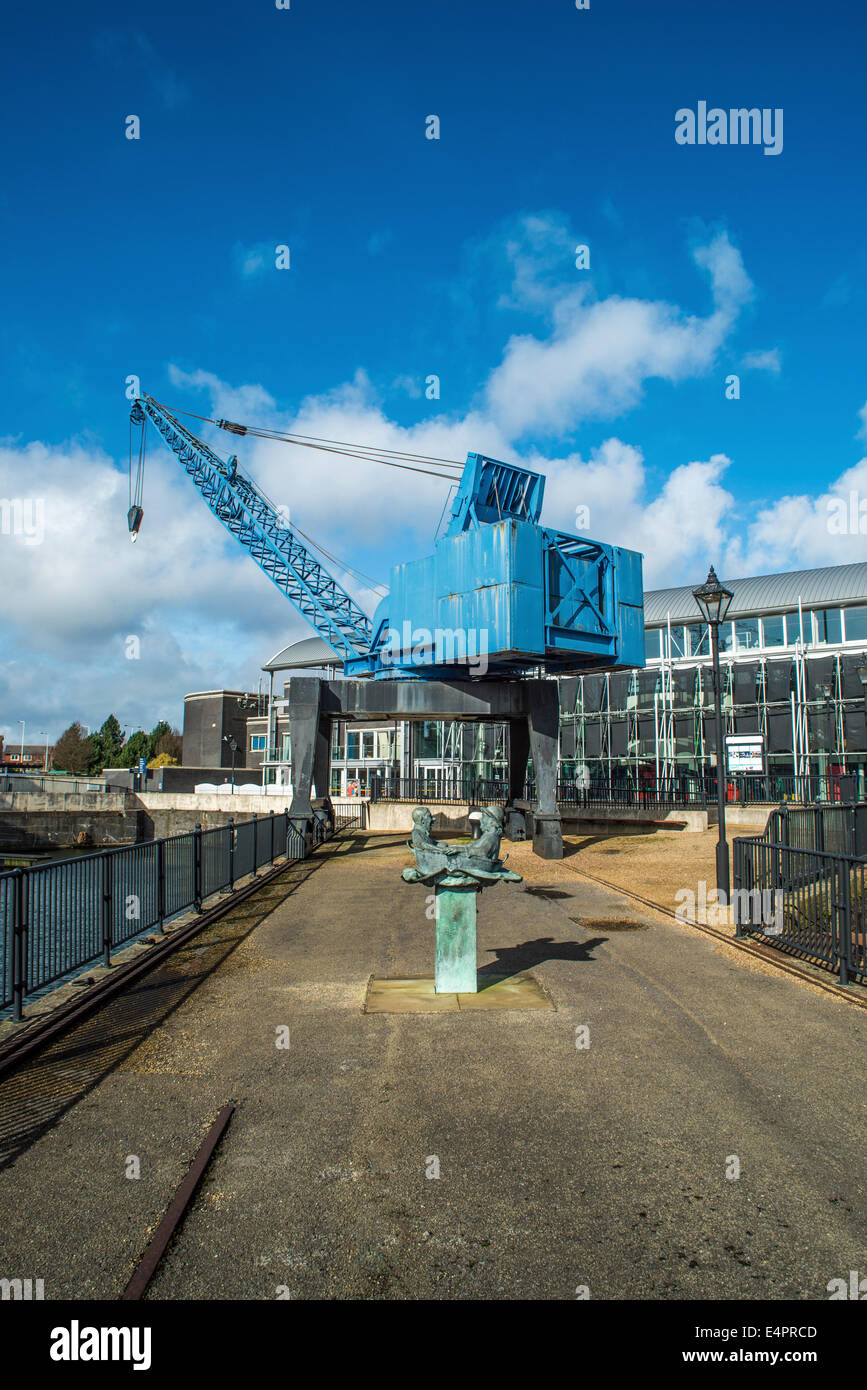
(674, 1126)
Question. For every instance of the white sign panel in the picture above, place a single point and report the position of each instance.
(745, 752)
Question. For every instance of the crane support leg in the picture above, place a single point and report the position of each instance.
(305, 736)
(519, 752)
(543, 718)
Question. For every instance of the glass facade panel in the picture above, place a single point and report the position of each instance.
(699, 639)
(726, 637)
(367, 744)
(774, 631)
(746, 634)
(793, 628)
(677, 645)
(828, 625)
(856, 624)
(426, 740)
(353, 743)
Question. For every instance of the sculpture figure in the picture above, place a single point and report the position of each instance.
(457, 873)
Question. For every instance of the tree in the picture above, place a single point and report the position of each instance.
(170, 744)
(106, 746)
(163, 760)
(155, 735)
(135, 747)
(72, 751)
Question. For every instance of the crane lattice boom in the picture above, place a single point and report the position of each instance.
(266, 536)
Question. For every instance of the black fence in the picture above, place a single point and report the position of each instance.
(63, 915)
(823, 828)
(806, 900)
(700, 790)
(682, 789)
(664, 794)
(469, 790)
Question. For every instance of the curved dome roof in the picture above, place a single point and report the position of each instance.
(310, 652)
(766, 593)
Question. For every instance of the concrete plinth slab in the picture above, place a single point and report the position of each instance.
(418, 995)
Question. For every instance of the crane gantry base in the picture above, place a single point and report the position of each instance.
(530, 707)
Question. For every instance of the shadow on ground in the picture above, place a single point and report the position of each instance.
(512, 960)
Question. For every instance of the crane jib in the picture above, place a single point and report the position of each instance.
(266, 536)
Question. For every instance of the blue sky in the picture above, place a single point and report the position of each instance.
(409, 257)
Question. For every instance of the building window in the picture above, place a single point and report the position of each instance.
(829, 628)
(353, 743)
(426, 740)
(699, 639)
(746, 634)
(676, 647)
(367, 747)
(793, 628)
(773, 631)
(856, 624)
(726, 637)
(652, 639)
(258, 743)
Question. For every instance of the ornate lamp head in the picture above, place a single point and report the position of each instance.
(713, 599)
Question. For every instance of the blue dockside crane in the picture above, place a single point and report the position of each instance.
(501, 596)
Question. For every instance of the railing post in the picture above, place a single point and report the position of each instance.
(843, 913)
(19, 944)
(161, 883)
(271, 814)
(739, 876)
(106, 909)
(255, 845)
(197, 852)
(231, 854)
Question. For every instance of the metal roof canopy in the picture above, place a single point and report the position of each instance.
(766, 593)
(304, 655)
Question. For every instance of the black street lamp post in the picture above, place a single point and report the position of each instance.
(713, 602)
(228, 738)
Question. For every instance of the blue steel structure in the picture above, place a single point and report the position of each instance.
(500, 597)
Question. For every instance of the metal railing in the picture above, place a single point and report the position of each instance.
(470, 790)
(682, 789)
(665, 794)
(60, 916)
(699, 790)
(823, 828)
(806, 900)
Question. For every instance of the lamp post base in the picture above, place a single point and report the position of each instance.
(723, 878)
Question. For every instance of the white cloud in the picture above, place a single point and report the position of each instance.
(601, 353)
(767, 360)
(799, 531)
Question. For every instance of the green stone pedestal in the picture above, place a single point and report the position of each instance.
(456, 941)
